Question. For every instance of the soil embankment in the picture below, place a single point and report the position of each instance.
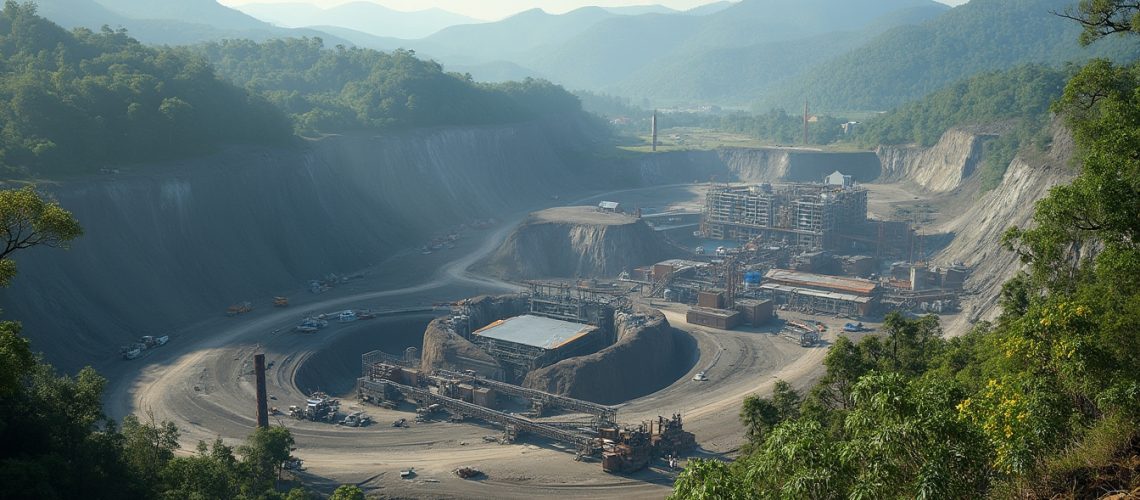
(649, 355)
(444, 348)
(168, 245)
(937, 169)
(572, 242)
(755, 165)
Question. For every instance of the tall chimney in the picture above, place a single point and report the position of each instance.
(262, 400)
(654, 127)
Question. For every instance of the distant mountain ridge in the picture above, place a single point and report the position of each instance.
(169, 22)
(363, 16)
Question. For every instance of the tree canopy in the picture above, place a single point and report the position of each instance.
(337, 89)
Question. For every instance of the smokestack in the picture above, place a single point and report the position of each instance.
(805, 122)
(654, 131)
(262, 400)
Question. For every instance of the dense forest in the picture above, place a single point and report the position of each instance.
(78, 101)
(328, 90)
(909, 62)
(1044, 402)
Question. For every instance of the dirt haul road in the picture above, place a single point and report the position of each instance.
(204, 384)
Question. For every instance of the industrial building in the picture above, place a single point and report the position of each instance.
(715, 318)
(806, 217)
(528, 342)
(821, 293)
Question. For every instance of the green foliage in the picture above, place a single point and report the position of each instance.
(1017, 99)
(263, 455)
(347, 492)
(909, 62)
(352, 88)
(27, 220)
(77, 101)
(148, 446)
(710, 480)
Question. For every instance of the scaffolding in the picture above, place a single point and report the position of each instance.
(807, 216)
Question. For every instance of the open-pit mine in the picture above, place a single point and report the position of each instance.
(428, 308)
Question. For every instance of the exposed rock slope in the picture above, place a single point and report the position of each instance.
(937, 169)
(648, 355)
(978, 231)
(174, 244)
(577, 242)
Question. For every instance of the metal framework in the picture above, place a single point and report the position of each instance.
(511, 423)
(603, 413)
(806, 215)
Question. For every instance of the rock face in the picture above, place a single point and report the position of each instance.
(175, 243)
(978, 231)
(443, 348)
(648, 355)
(937, 169)
(567, 242)
(755, 165)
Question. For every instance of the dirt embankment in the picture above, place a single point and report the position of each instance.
(937, 169)
(568, 242)
(649, 355)
(167, 245)
(755, 165)
(443, 348)
(978, 231)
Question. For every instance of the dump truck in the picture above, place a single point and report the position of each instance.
(280, 301)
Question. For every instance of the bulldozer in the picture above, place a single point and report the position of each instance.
(280, 301)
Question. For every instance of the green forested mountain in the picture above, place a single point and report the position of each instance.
(605, 54)
(76, 101)
(741, 75)
(352, 88)
(912, 61)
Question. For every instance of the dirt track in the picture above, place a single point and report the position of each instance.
(204, 383)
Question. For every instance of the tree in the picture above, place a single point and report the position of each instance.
(149, 445)
(1101, 18)
(27, 219)
(263, 455)
(347, 492)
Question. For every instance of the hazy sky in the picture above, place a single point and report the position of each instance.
(498, 9)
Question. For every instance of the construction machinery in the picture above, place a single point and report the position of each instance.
(240, 308)
(318, 408)
(280, 301)
(135, 350)
(467, 472)
(310, 325)
(356, 419)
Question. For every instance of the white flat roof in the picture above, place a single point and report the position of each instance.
(535, 331)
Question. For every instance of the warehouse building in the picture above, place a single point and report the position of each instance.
(527, 342)
(821, 293)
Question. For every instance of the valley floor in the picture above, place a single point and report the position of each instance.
(204, 383)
